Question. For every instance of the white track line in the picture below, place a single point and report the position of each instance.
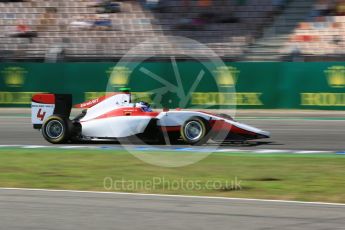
(5, 146)
(71, 147)
(35, 146)
(176, 196)
(229, 150)
(310, 152)
(177, 149)
(270, 151)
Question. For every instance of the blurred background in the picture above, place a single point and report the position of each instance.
(237, 30)
(279, 54)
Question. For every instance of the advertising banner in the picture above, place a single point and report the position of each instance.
(190, 84)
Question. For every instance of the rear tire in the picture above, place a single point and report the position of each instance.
(56, 129)
(194, 131)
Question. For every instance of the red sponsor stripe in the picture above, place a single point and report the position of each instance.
(44, 98)
(127, 111)
(171, 128)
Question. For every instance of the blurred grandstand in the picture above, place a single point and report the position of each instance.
(237, 30)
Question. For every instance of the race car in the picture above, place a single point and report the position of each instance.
(115, 117)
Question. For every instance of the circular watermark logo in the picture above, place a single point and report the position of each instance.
(174, 79)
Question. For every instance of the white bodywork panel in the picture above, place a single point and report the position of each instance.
(107, 105)
(40, 112)
(121, 126)
(124, 126)
(177, 118)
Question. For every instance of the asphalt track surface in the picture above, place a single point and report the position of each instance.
(28, 209)
(25, 209)
(287, 133)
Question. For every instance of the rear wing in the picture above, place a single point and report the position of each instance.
(44, 105)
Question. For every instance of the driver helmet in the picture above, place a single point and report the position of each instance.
(144, 106)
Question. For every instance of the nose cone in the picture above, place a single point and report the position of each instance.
(264, 134)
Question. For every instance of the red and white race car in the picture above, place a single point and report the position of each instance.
(114, 117)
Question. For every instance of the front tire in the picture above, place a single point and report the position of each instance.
(194, 131)
(56, 130)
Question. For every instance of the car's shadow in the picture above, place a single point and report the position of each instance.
(210, 143)
(246, 143)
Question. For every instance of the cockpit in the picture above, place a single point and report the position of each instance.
(144, 106)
